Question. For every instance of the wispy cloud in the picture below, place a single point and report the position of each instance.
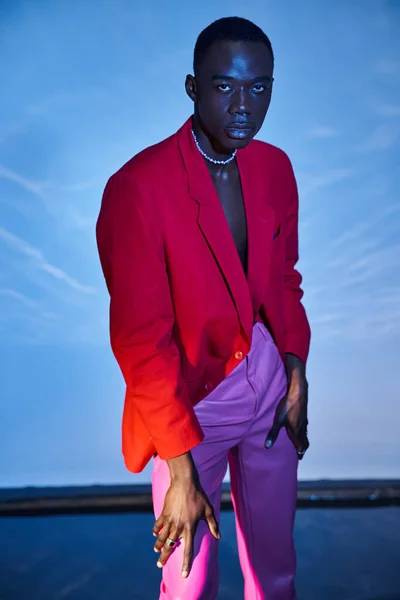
(354, 232)
(38, 258)
(357, 231)
(9, 130)
(80, 222)
(388, 67)
(80, 186)
(45, 191)
(322, 132)
(387, 110)
(328, 318)
(363, 264)
(358, 301)
(376, 261)
(383, 137)
(310, 182)
(26, 302)
(35, 187)
(362, 317)
(391, 209)
(38, 188)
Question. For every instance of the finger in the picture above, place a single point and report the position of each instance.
(305, 446)
(302, 436)
(294, 438)
(300, 442)
(212, 523)
(304, 440)
(162, 538)
(167, 549)
(158, 525)
(188, 552)
(273, 433)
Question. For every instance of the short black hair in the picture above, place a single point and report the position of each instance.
(235, 29)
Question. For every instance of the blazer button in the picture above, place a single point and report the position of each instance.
(239, 355)
(208, 387)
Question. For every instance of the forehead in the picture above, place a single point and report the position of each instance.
(241, 60)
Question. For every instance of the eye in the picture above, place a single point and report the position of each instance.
(259, 88)
(224, 87)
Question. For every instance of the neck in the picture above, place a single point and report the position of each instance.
(207, 144)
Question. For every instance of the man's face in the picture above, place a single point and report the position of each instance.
(233, 92)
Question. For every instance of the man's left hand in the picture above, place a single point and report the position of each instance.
(291, 411)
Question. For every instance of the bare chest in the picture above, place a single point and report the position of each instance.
(231, 197)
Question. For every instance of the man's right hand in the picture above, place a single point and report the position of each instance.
(185, 505)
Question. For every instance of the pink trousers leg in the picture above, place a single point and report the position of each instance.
(211, 459)
(264, 494)
(236, 418)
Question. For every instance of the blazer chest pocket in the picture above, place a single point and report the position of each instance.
(276, 231)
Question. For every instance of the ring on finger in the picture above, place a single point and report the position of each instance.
(170, 543)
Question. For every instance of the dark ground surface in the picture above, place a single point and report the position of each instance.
(343, 554)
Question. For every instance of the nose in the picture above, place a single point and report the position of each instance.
(240, 103)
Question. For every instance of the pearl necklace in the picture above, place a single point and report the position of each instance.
(213, 160)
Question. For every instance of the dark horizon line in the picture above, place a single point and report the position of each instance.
(303, 483)
(124, 498)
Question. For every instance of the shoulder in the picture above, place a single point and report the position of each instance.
(272, 169)
(131, 192)
(273, 155)
(150, 165)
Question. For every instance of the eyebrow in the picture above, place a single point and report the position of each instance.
(228, 77)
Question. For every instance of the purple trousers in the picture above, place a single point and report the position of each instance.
(236, 417)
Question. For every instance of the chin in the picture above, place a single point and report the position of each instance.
(243, 143)
(237, 144)
(232, 142)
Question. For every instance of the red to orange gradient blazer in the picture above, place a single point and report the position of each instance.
(181, 309)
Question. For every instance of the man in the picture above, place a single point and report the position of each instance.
(198, 242)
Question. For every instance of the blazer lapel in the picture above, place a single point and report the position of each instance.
(214, 227)
(261, 222)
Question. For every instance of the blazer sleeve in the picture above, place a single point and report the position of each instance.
(130, 244)
(297, 329)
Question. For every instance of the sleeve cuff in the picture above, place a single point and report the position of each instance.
(180, 440)
(298, 346)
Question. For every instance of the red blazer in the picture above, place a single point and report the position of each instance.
(181, 309)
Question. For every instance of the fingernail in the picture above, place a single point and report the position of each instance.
(159, 565)
(184, 573)
(268, 444)
(156, 550)
(154, 534)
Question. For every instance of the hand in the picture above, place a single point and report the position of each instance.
(185, 505)
(291, 411)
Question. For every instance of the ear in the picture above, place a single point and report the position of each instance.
(191, 88)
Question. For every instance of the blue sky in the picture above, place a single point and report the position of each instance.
(83, 89)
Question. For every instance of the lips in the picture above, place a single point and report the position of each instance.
(236, 126)
(239, 131)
